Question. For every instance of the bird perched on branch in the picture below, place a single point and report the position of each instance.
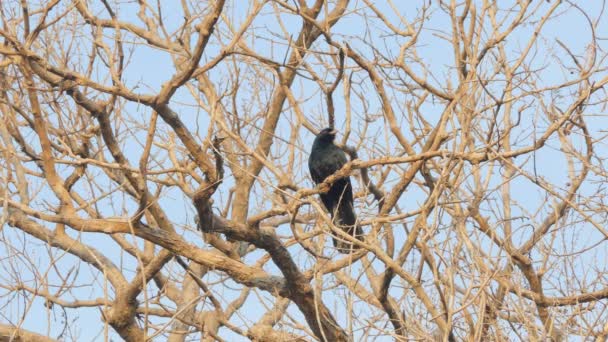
(325, 159)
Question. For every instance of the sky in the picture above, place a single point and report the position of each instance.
(149, 68)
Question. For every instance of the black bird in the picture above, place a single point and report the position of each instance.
(325, 159)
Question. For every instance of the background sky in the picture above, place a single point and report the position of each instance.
(149, 68)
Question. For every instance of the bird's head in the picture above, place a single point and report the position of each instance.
(327, 134)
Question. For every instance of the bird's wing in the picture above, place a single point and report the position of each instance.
(325, 163)
(315, 171)
(344, 201)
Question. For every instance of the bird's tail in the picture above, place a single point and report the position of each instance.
(344, 246)
(346, 219)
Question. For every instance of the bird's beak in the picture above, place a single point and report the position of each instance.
(333, 132)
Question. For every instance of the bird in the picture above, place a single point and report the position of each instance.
(325, 159)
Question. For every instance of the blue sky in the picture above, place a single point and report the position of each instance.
(148, 68)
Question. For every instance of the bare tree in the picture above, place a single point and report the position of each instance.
(155, 183)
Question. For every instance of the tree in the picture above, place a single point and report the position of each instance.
(155, 183)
